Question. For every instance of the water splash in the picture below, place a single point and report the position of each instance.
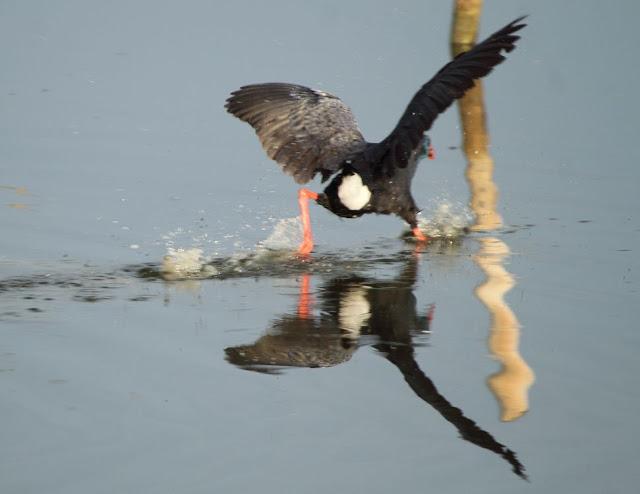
(286, 235)
(277, 256)
(180, 264)
(446, 220)
(277, 248)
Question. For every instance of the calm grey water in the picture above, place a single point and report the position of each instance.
(116, 147)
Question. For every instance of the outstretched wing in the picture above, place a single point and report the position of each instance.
(305, 130)
(449, 84)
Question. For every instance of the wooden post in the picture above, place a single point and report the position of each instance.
(475, 136)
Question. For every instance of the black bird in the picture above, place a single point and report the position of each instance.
(309, 131)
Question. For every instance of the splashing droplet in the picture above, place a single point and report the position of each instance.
(286, 235)
(447, 220)
(180, 264)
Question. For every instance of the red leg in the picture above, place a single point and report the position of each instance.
(304, 301)
(303, 200)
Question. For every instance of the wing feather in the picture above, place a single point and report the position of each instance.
(304, 130)
(434, 97)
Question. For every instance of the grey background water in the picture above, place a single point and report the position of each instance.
(112, 122)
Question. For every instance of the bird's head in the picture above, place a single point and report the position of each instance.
(323, 200)
(425, 150)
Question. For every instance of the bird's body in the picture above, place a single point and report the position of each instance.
(386, 194)
(309, 131)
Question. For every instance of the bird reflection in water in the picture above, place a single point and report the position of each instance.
(354, 311)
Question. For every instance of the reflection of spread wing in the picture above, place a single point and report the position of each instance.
(293, 341)
(403, 358)
(304, 130)
(449, 84)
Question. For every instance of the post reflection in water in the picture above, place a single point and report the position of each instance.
(354, 311)
(510, 385)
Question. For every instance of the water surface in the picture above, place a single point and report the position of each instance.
(503, 360)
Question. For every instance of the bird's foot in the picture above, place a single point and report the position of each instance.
(305, 247)
(419, 236)
(421, 241)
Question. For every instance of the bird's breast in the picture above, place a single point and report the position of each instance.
(353, 192)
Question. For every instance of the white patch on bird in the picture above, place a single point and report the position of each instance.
(354, 310)
(353, 193)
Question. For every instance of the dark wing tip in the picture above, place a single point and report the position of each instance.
(519, 20)
(514, 25)
(507, 33)
(449, 84)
